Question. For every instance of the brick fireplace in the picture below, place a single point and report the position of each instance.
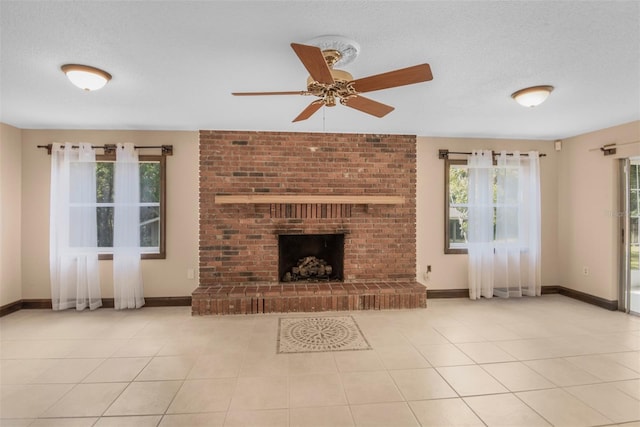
(256, 187)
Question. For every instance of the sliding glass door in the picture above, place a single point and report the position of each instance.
(629, 214)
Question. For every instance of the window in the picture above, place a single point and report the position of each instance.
(151, 205)
(456, 206)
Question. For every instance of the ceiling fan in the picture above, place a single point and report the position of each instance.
(329, 84)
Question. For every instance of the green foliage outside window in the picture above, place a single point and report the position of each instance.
(150, 187)
(104, 194)
(150, 215)
(458, 203)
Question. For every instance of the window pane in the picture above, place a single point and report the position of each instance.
(634, 202)
(506, 211)
(81, 231)
(151, 168)
(458, 184)
(457, 206)
(458, 224)
(634, 175)
(104, 182)
(505, 186)
(635, 253)
(105, 226)
(150, 182)
(506, 224)
(150, 226)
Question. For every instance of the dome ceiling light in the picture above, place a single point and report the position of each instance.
(86, 77)
(532, 96)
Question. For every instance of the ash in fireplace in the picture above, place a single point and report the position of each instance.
(309, 268)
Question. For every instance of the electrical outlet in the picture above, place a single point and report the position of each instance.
(427, 273)
(585, 271)
(191, 274)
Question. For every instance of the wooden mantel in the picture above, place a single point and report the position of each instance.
(307, 198)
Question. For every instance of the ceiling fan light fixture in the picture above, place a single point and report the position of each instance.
(348, 49)
(86, 77)
(532, 96)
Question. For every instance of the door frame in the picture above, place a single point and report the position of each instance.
(624, 213)
(625, 278)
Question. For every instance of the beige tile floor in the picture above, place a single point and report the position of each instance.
(522, 362)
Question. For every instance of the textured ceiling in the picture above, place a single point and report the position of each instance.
(174, 64)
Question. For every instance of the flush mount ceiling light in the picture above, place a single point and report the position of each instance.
(86, 77)
(532, 96)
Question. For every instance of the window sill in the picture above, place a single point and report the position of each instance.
(106, 257)
(454, 251)
(451, 251)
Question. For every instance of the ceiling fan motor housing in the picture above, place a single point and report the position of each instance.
(341, 87)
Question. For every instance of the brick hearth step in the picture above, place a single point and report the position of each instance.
(307, 297)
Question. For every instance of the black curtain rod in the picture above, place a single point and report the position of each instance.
(444, 154)
(167, 150)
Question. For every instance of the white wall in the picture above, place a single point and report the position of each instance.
(449, 271)
(167, 277)
(587, 209)
(10, 203)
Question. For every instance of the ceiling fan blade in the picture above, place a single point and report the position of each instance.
(299, 92)
(308, 112)
(404, 76)
(314, 62)
(368, 106)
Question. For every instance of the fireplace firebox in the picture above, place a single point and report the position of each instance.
(310, 257)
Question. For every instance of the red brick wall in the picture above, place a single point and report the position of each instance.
(239, 243)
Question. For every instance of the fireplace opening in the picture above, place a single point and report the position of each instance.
(310, 257)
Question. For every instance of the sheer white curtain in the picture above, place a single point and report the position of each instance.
(507, 244)
(480, 224)
(509, 266)
(127, 272)
(73, 256)
(518, 231)
(531, 231)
